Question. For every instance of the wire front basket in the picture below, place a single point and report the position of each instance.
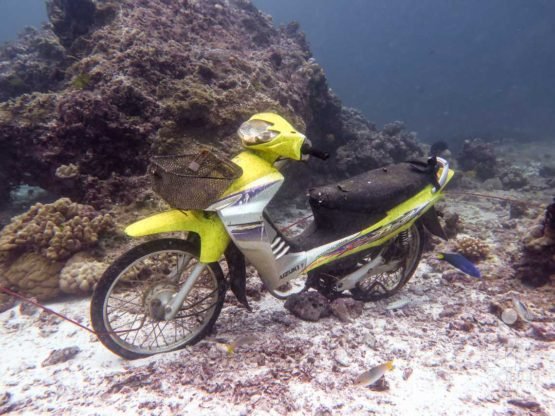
(192, 181)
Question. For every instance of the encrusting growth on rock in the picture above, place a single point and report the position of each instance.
(67, 171)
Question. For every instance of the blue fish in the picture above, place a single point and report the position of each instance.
(460, 262)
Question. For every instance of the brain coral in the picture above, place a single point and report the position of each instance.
(79, 275)
(55, 230)
(34, 275)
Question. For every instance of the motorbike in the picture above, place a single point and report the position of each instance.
(365, 239)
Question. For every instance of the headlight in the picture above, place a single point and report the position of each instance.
(255, 132)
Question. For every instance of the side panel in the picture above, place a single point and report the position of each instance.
(213, 235)
(246, 226)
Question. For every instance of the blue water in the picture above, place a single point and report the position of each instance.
(17, 14)
(449, 68)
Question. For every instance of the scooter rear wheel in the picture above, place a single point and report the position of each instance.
(406, 249)
(125, 307)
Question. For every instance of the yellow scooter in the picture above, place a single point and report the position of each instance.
(365, 240)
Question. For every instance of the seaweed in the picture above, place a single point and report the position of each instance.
(81, 81)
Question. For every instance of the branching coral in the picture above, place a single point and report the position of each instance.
(472, 248)
(56, 230)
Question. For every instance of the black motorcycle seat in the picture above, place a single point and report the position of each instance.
(373, 192)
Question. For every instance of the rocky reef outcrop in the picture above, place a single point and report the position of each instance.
(537, 261)
(130, 79)
(479, 157)
(364, 147)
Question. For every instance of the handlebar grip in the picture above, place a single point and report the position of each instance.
(319, 154)
(307, 149)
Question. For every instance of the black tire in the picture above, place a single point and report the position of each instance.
(139, 273)
(407, 245)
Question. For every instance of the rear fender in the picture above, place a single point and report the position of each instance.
(211, 231)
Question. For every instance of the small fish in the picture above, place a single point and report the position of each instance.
(399, 304)
(460, 262)
(374, 374)
(230, 347)
(240, 341)
(522, 310)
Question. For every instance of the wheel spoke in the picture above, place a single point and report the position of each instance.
(402, 255)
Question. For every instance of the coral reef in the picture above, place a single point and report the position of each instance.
(35, 62)
(55, 231)
(513, 179)
(72, 19)
(453, 224)
(163, 77)
(472, 248)
(80, 274)
(35, 247)
(34, 275)
(368, 148)
(547, 171)
(478, 156)
(537, 261)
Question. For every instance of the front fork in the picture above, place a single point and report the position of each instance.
(174, 304)
(237, 278)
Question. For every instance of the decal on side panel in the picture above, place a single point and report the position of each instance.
(364, 239)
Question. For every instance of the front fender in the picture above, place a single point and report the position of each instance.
(213, 236)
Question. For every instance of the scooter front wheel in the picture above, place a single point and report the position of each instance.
(127, 304)
(403, 253)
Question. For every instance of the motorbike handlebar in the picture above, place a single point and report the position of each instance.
(307, 149)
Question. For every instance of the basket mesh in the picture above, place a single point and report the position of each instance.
(192, 181)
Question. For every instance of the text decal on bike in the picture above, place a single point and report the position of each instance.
(292, 270)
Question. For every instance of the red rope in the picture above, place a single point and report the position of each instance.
(59, 315)
(283, 230)
(500, 198)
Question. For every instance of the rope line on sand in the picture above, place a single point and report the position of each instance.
(499, 198)
(59, 315)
